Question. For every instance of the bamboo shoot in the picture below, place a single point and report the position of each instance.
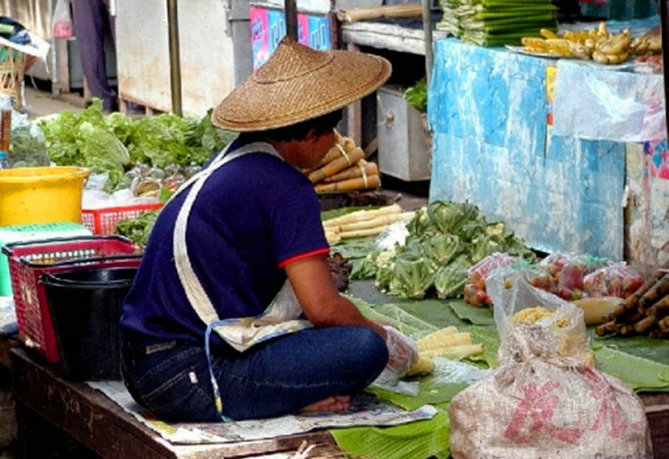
(359, 183)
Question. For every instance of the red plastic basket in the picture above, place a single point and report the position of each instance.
(28, 261)
(103, 221)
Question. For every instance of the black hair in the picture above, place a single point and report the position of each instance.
(299, 131)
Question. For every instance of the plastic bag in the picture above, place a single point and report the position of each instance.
(474, 290)
(546, 399)
(402, 352)
(619, 280)
(561, 335)
(62, 21)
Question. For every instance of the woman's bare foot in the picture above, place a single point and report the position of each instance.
(335, 404)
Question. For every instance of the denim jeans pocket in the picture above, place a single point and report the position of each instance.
(175, 384)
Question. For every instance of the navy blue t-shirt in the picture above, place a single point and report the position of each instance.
(253, 216)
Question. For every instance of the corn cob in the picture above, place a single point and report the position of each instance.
(422, 366)
(454, 352)
(439, 340)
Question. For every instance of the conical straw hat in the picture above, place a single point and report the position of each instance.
(299, 83)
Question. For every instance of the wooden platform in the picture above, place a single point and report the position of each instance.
(55, 415)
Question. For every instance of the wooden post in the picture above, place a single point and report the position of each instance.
(290, 11)
(664, 18)
(427, 32)
(175, 60)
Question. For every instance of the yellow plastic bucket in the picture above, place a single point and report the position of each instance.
(41, 194)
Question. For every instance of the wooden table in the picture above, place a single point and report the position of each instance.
(49, 408)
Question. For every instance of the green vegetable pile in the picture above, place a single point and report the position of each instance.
(445, 239)
(497, 22)
(115, 143)
(138, 229)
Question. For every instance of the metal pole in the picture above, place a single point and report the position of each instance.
(175, 60)
(664, 11)
(427, 34)
(290, 10)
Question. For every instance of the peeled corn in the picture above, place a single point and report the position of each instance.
(454, 352)
(424, 365)
(441, 339)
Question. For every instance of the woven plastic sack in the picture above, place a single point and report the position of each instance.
(545, 400)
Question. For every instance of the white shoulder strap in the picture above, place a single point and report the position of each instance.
(195, 293)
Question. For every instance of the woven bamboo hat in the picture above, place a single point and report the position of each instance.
(299, 83)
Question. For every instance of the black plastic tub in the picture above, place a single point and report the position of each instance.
(85, 307)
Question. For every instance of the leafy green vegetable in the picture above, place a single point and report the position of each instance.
(416, 95)
(138, 229)
(445, 240)
(114, 143)
(450, 279)
(411, 277)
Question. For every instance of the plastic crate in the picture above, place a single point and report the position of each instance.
(28, 261)
(26, 233)
(103, 221)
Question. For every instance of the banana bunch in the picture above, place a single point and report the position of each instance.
(647, 44)
(613, 49)
(597, 44)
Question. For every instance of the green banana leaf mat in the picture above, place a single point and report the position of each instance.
(640, 362)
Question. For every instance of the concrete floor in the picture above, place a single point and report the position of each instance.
(38, 102)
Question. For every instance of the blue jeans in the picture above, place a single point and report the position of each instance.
(271, 379)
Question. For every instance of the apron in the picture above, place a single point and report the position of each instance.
(280, 317)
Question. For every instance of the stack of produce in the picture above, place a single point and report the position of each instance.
(446, 342)
(444, 240)
(344, 168)
(571, 277)
(114, 144)
(363, 223)
(645, 312)
(504, 22)
(597, 44)
(450, 21)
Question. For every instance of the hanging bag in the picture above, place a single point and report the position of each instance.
(62, 21)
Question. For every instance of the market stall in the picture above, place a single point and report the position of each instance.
(483, 257)
(522, 121)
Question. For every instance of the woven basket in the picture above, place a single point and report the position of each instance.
(12, 64)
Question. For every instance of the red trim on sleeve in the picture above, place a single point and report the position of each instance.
(304, 255)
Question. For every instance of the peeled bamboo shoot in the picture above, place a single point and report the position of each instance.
(597, 310)
(362, 232)
(381, 220)
(361, 215)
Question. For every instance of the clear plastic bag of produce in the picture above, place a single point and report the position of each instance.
(475, 290)
(618, 279)
(560, 325)
(27, 140)
(568, 272)
(546, 399)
